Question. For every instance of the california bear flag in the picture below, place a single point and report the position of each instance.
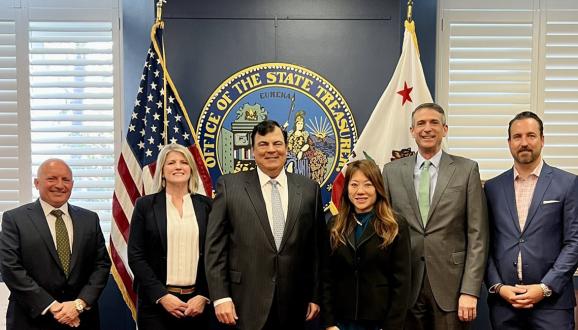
(386, 135)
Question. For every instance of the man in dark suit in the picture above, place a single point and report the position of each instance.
(441, 197)
(53, 257)
(533, 210)
(265, 238)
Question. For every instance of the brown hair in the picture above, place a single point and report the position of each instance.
(385, 224)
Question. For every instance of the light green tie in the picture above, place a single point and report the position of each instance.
(424, 188)
(62, 241)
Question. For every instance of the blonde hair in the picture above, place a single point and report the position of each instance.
(344, 223)
(159, 181)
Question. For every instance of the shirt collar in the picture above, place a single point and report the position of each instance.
(535, 172)
(264, 178)
(185, 198)
(47, 208)
(435, 160)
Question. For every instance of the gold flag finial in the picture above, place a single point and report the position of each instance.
(160, 9)
(409, 10)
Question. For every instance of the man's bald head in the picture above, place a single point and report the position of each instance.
(54, 182)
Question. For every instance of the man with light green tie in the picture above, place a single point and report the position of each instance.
(441, 197)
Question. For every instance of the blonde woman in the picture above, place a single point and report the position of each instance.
(166, 247)
(369, 266)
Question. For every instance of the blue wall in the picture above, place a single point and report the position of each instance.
(197, 70)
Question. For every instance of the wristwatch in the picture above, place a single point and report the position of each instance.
(79, 305)
(547, 291)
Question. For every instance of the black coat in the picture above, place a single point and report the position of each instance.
(147, 245)
(243, 262)
(366, 282)
(32, 270)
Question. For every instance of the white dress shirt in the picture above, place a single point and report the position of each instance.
(51, 219)
(266, 191)
(433, 172)
(182, 243)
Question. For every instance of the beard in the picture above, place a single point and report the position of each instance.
(526, 156)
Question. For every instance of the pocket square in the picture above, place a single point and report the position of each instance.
(550, 202)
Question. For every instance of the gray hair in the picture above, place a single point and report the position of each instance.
(433, 106)
(159, 181)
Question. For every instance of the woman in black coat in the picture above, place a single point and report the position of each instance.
(166, 247)
(368, 277)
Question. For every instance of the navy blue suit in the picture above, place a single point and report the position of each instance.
(548, 244)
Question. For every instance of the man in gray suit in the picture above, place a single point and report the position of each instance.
(441, 197)
(265, 241)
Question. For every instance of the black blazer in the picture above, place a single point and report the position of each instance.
(365, 282)
(243, 262)
(147, 245)
(32, 271)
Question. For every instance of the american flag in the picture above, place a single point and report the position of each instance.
(159, 117)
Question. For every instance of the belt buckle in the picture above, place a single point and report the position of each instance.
(178, 290)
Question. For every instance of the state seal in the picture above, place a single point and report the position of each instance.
(321, 129)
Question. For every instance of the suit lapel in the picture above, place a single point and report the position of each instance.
(542, 185)
(293, 207)
(160, 216)
(445, 172)
(351, 239)
(407, 178)
(511, 197)
(78, 228)
(253, 188)
(201, 220)
(36, 215)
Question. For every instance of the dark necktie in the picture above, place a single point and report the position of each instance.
(62, 241)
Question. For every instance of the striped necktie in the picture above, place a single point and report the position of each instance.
(278, 216)
(62, 241)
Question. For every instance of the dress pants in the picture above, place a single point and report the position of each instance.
(505, 317)
(155, 317)
(427, 315)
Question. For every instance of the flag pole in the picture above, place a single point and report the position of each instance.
(409, 10)
(160, 10)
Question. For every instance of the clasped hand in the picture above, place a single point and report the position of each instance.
(522, 296)
(65, 313)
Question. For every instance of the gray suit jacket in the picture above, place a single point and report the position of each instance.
(453, 246)
(242, 261)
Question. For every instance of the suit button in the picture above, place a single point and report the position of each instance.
(522, 240)
(273, 280)
(358, 258)
(422, 258)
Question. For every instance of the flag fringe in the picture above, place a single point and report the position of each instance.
(123, 291)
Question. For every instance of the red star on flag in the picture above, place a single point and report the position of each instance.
(405, 93)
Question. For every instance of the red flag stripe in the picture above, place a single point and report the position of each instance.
(120, 218)
(202, 170)
(337, 188)
(127, 180)
(122, 271)
(132, 165)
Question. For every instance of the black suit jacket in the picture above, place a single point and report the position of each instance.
(147, 245)
(366, 282)
(32, 271)
(243, 262)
